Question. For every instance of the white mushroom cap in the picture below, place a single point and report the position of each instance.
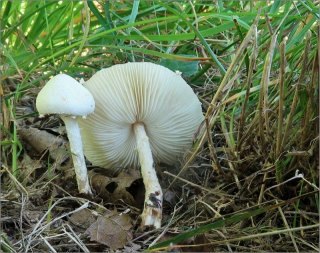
(146, 93)
(64, 95)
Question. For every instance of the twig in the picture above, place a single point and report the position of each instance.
(74, 237)
(297, 175)
(48, 244)
(37, 229)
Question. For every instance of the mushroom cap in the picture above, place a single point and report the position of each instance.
(64, 95)
(146, 93)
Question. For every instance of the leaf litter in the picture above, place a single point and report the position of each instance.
(126, 187)
(42, 141)
(112, 229)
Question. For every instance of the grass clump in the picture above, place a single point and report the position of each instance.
(250, 183)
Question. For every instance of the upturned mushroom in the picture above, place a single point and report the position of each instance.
(143, 110)
(65, 96)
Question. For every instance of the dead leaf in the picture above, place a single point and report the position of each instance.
(126, 187)
(42, 140)
(84, 218)
(112, 229)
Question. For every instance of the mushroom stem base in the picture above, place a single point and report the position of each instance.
(152, 212)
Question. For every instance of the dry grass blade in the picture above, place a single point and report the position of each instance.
(48, 244)
(15, 182)
(213, 105)
(243, 238)
(39, 228)
(263, 98)
(277, 232)
(228, 221)
(311, 103)
(289, 232)
(296, 90)
(74, 237)
(281, 96)
(215, 163)
(252, 66)
(195, 185)
(85, 33)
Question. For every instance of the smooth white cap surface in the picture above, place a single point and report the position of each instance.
(139, 92)
(65, 95)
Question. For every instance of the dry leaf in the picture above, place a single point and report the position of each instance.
(84, 218)
(112, 230)
(126, 187)
(42, 140)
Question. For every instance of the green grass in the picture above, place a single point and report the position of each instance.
(253, 64)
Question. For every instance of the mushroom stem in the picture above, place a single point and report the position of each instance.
(152, 212)
(73, 132)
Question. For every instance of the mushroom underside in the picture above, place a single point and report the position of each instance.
(143, 112)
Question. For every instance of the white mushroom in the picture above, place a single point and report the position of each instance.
(140, 107)
(65, 96)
